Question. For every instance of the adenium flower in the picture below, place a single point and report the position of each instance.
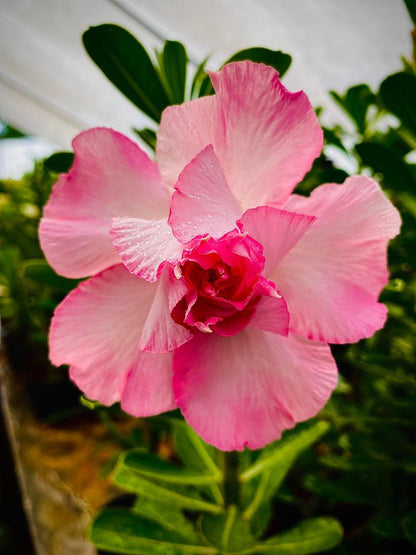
(213, 288)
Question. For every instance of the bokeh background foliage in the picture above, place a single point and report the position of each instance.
(355, 463)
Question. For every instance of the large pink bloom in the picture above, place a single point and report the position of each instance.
(214, 290)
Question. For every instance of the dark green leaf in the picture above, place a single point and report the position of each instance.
(40, 271)
(156, 468)
(199, 75)
(60, 162)
(411, 8)
(310, 536)
(174, 62)
(355, 103)
(398, 94)
(148, 136)
(396, 173)
(274, 58)
(125, 62)
(409, 526)
(122, 531)
(228, 531)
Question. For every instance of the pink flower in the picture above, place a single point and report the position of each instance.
(214, 289)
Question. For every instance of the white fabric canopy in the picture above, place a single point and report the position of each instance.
(50, 87)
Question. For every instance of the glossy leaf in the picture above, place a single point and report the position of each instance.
(174, 61)
(148, 136)
(122, 531)
(411, 8)
(355, 103)
(396, 173)
(310, 536)
(172, 495)
(199, 76)
(125, 62)
(59, 162)
(153, 467)
(228, 531)
(398, 94)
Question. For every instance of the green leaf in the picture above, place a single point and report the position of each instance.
(310, 536)
(125, 62)
(148, 136)
(398, 94)
(227, 531)
(197, 454)
(40, 271)
(289, 447)
(274, 58)
(411, 8)
(174, 61)
(59, 162)
(270, 470)
(168, 517)
(122, 531)
(396, 173)
(409, 527)
(156, 468)
(355, 103)
(174, 495)
(199, 75)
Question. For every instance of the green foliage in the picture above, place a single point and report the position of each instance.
(164, 490)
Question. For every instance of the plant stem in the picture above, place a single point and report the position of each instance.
(231, 484)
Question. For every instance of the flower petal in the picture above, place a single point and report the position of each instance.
(161, 333)
(202, 202)
(96, 330)
(245, 390)
(271, 314)
(265, 137)
(148, 387)
(332, 277)
(111, 176)
(145, 245)
(276, 230)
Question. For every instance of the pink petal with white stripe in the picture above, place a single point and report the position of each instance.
(145, 245)
(111, 176)
(243, 391)
(265, 137)
(202, 202)
(276, 230)
(332, 277)
(96, 330)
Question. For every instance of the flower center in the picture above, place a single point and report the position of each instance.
(222, 283)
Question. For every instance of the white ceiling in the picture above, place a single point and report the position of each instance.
(50, 87)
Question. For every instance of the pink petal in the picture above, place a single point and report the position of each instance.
(160, 332)
(332, 277)
(265, 137)
(184, 131)
(111, 176)
(271, 314)
(277, 230)
(203, 203)
(96, 330)
(145, 245)
(245, 390)
(148, 387)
